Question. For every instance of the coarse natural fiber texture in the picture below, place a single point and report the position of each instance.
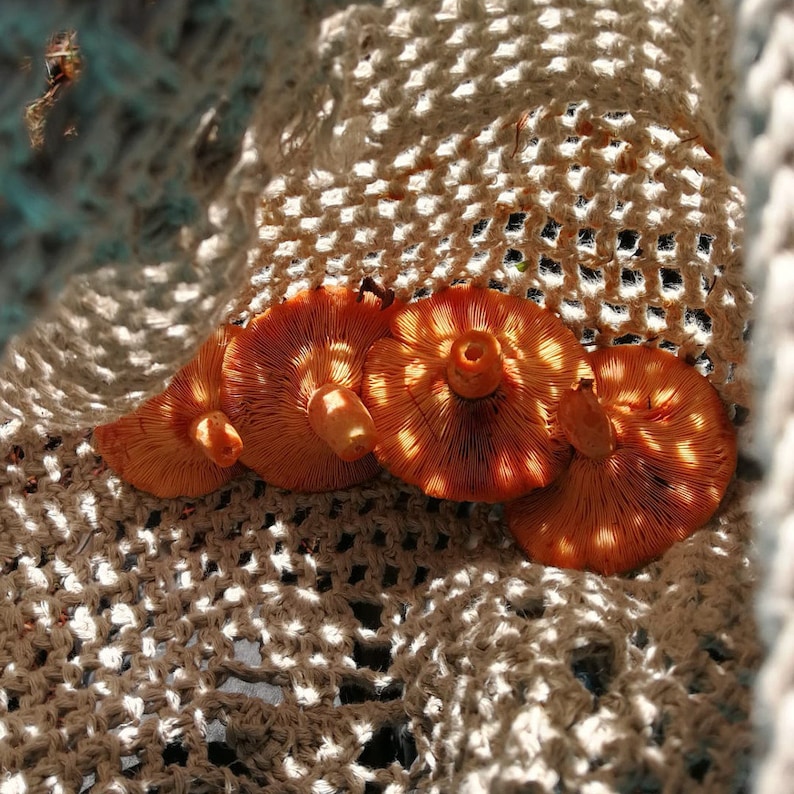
(372, 639)
(762, 137)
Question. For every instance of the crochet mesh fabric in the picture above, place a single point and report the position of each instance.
(375, 640)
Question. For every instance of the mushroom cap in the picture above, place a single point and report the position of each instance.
(675, 455)
(152, 448)
(272, 370)
(487, 449)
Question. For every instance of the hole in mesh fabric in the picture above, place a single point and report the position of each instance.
(655, 313)
(627, 239)
(175, 753)
(432, 504)
(366, 507)
(591, 276)
(513, 257)
(391, 576)
(221, 755)
(409, 542)
(716, 649)
(442, 541)
(592, 667)
(260, 486)
(627, 339)
(515, 222)
(704, 363)
(671, 279)
(357, 574)
(698, 765)
(549, 268)
(368, 615)
(748, 469)
(224, 500)
(535, 295)
(288, 577)
(631, 278)
(479, 227)
(704, 243)
(362, 691)
(588, 336)
(666, 242)
(551, 230)
(301, 514)
(373, 787)
(420, 576)
(336, 509)
(379, 538)
(153, 520)
(614, 313)
(587, 238)
(464, 509)
(324, 582)
(53, 442)
(388, 744)
(345, 542)
(698, 318)
(376, 656)
(659, 730)
(529, 608)
(670, 347)
(640, 638)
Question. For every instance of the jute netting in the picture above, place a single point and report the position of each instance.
(372, 639)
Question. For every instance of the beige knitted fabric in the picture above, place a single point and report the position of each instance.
(375, 640)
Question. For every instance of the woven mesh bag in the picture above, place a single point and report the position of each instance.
(372, 639)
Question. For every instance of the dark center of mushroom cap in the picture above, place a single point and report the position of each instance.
(474, 365)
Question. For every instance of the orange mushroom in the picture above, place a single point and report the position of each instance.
(178, 443)
(653, 455)
(291, 387)
(465, 393)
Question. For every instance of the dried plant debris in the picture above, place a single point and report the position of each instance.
(63, 64)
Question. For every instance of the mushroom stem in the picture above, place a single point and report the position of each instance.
(215, 435)
(340, 419)
(474, 366)
(585, 422)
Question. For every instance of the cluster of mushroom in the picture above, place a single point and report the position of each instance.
(604, 459)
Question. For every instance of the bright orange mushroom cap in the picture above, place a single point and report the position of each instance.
(465, 393)
(673, 456)
(178, 443)
(291, 386)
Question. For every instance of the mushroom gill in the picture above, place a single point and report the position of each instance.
(465, 391)
(673, 456)
(178, 443)
(291, 387)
